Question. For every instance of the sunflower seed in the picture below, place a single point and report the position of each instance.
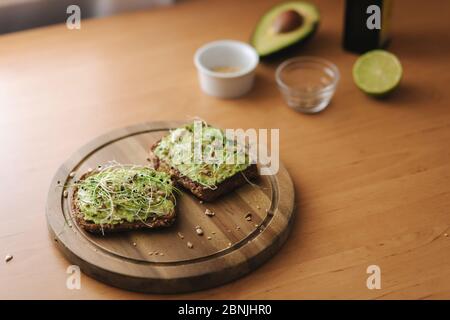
(65, 193)
(190, 245)
(199, 231)
(72, 174)
(209, 213)
(248, 217)
(180, 235)
(8, 258)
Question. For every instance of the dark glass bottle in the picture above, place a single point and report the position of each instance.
(366, 24)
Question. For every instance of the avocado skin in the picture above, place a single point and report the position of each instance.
(291, 49)
(295, 44)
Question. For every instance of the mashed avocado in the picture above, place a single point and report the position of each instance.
(124, 193)
(218, 159)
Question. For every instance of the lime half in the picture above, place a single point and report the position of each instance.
(377, 72)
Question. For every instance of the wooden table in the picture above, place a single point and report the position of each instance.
(372, 177)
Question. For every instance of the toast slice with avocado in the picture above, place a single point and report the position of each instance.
(120, 198)
(207, 180)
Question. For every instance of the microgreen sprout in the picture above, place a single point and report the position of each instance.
(119, 193)
(207, 174)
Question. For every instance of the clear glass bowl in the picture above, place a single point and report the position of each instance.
(307, 83)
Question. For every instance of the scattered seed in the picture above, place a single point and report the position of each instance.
(201, 202)
(445, 234)
(209, 213)
(229, 244)
(209, 238)
(180, 235)
(58, 182)
(258, 207)
(248, 217)
(238, 228)
(72, 174)
(134, 244)
(161, 254)
(150, 253)
(65, 193)
(8, 258)
(256, 225)
(199, 231)
(90, 170)
(149, 160)
(190, 245)
(213, 232)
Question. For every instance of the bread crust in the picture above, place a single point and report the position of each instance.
(151, 223)
(202, 192)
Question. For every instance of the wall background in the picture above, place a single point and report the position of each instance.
(18, 15)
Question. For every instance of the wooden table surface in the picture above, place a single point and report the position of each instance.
(372, 177)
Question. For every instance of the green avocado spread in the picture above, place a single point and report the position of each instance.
(217, 159)
(121, 193)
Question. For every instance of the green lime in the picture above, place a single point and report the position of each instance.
(377, 72)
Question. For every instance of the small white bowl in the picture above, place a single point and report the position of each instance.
(226, 54)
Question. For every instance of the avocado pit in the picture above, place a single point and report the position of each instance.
(288, 21)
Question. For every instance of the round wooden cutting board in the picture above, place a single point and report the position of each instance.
(160, 261)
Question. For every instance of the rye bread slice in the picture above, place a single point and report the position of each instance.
(150, 223)
(202, 192)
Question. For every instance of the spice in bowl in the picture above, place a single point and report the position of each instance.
(225, 69)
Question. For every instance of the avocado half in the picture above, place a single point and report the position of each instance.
(285, 25)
